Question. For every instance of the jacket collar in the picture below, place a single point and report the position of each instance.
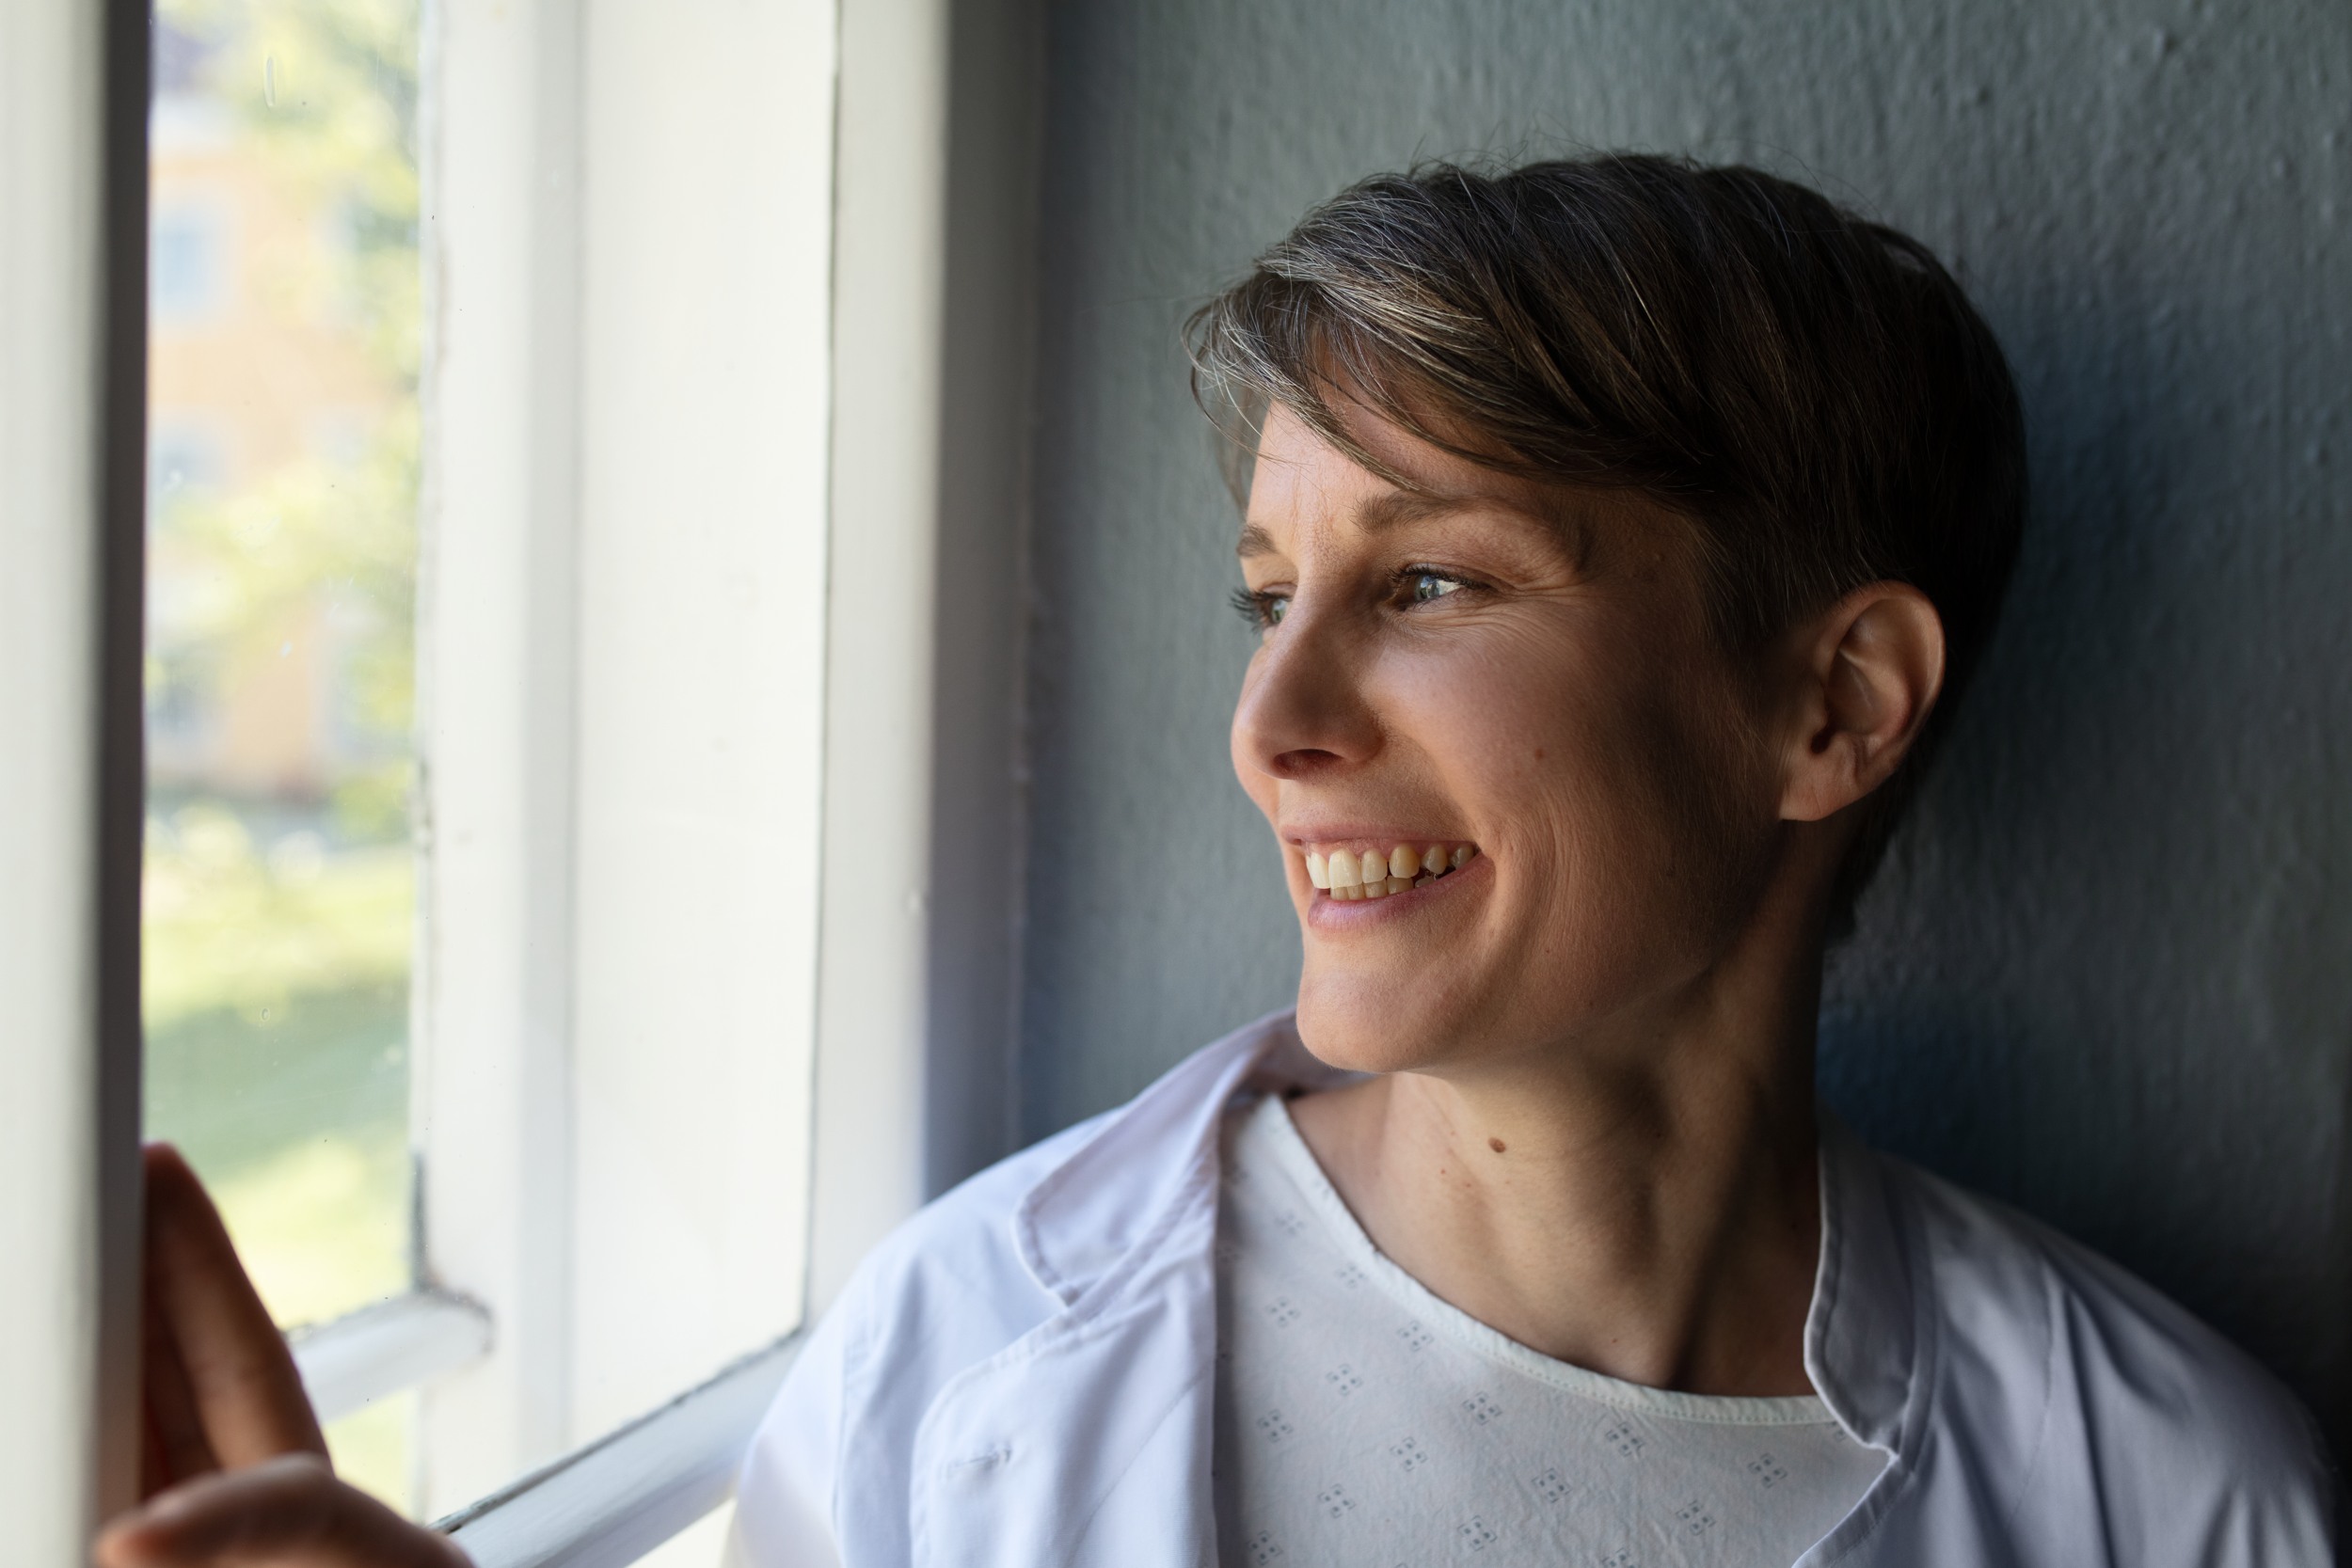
(1867, 1334)
(1157, 1157)
(1065, 1447)
(1149, 1159)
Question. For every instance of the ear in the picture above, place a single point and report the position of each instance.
(1868, 670)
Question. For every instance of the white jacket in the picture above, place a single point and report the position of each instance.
(1021, 1376)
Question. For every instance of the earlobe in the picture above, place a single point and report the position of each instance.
(1872, 667)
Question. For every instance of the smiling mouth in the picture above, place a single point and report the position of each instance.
(1348, 873)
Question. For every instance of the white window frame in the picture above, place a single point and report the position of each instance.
(625, 1496)
(625, 534)
(73, 409)
(924, 125)
(554, 155)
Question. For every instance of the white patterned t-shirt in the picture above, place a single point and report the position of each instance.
(1362, 1421)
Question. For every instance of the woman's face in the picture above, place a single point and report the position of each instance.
(1538, 698)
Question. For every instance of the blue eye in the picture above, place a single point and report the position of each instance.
(1432, 585)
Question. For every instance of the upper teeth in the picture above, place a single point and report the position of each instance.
(1348, 873)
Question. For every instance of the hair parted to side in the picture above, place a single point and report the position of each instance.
(1811, 389)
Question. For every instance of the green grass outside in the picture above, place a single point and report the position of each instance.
(277, 1002)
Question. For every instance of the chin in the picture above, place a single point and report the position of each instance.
(1357, 1034)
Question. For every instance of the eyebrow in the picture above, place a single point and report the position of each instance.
(1399, 507)
(1377, 515)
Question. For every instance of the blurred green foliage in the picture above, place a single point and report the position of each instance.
(327, 92)
(323, 96)
(339, 540)
(232, 929)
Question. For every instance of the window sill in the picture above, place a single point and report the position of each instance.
(361, 1357)
(610, 1503)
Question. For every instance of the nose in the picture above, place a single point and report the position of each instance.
(1303, 712)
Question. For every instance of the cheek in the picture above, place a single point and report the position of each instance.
(1515, 744)
(1614, 809)
(1650, 831)
(1623, 842)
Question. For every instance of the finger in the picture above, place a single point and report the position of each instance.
(239, 1374)
(176, 1450)
(284, 1513)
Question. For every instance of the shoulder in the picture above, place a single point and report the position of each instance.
(968, 1278)
(2098, 1391)
(963, 1246)
(949, 1286)
(943, 1291)
(2009, 1287)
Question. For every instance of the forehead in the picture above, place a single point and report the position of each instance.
(1301, 481)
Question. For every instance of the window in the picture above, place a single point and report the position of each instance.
(482, 870)
(281, 876)
(186, 273)
(538, 835)
(623, 712)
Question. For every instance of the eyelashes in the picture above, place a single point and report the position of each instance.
(1259, 609)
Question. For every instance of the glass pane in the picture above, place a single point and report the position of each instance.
(280, 872)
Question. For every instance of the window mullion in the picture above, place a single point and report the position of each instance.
(498, 691)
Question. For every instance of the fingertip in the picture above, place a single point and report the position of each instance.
(170, 1177)
(177, 1202)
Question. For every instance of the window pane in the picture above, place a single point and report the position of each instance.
(280, 872)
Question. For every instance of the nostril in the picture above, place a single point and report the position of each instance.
(1302, 763)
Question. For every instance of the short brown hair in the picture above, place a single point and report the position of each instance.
(1810, 388)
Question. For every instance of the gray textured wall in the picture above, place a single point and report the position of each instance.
(2108, 972)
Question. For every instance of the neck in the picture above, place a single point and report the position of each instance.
(1641, 1200)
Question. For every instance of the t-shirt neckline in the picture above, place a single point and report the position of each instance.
(1268, 1125)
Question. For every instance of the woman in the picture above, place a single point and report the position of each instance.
(1614, 530)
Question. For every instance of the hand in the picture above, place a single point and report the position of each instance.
(221, 1389)
(234, 1471)
(284, 1513)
